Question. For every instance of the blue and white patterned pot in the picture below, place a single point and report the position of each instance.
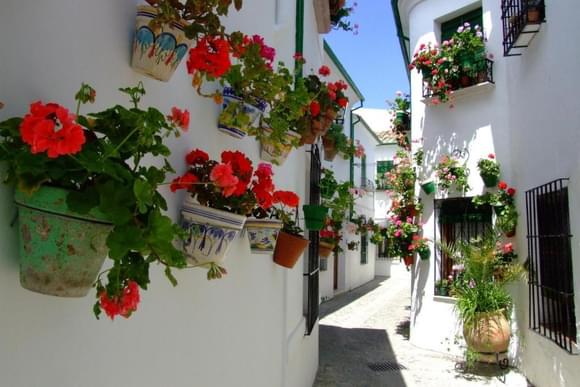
(157, 53)
(262, 234)
(210, 232)
(253, 111)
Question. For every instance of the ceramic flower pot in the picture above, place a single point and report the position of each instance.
(409, 260)
(330, 150)
(425, 254)
(325, 249)
(490, 181)
(277, 155)
(61, 251)
(490, 333)
(314, 216)
(210, 232)
(254, 112)
(288, 249)
(402, 120)
(262, 234)
(428, 187)
(157, 53)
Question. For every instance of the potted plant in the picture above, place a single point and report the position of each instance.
(327, 241)
(334, 141)
(428, 187)
(291, 243)
(165, 28)
(420, 246)
(450, 173)
(353, 245)
(338, 12)
(400, 108)
(314, 216)
(503, 204)
(328, 184)
(442, 287)
(489, 170)
(83, 193)
(533, 11)
(483, 304)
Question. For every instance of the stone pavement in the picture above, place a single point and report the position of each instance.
(371, 325)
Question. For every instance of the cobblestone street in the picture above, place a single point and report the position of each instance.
(370, 326)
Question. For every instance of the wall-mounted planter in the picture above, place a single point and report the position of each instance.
(325, 249)
(61, 251)
(428, 187)
(330, 150)
(262, 234)
(210, 232)
(157, 53)
(228, 121)
(322, 13)
(490, 181)
(314, 216)
(277, 154)
(425, 254)
(288, 249)
(402, 121)
(409, 260)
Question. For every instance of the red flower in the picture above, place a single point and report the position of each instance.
(508, 248)
(183, 182)
(343, 102)
(324, 71)
(341, 85)
(222, 175)
(51, 128)
(122, 305)
(264, 170)
(511, 191)
(287, 198)
(314, 108)
(502, 185)
(242, 168)
(196, 156)
(211, 56)
(180, 118)
(299, 58)
(266, 52)
(491, 156)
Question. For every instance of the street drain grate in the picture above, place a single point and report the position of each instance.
(386, 366)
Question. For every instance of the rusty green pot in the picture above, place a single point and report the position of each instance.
(61, 251)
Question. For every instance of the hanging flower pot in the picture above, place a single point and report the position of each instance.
(425, 254)
(409, 260)
(157, 52)
(314, 216)
(325, 249)
(262, 234)
(210, 232)
(490, 181)
(428, 187)
(61, 251)
(277, 153)
(330, 150)
(288, 249)
(238, 115)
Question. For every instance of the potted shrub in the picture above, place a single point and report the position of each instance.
(489, 170)
(165, 28)
(483, 304)
(291, 243)
(450, 173)
(83, 193)
(420, 246)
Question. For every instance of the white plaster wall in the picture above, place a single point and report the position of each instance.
(246, 329)
(382, 198)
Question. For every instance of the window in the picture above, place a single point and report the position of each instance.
(364, 249)
(551, 284)
(449, 27)
(363, 172)
(458, 219)
(521, 21)
(383, 167)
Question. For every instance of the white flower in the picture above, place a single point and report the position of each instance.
(460, 29)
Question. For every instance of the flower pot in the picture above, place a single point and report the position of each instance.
(288, 249)
(402, 120)
(330, 150)
(254, 113)
(428, 187)
(489, 333)
(490, 181)
(61, 251)
(409, 260)
(314, 216)
(425, 254)
(427, 75)
(325, 249)
(533, 15)
(157, 53)
(310, 134)
(465, 81)
(210, 232)
(262, 234)
(277, 154)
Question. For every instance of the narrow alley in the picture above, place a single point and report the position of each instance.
(369, 328)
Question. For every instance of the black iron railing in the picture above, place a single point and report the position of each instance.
(551, 283)
(521, 20)
(364, 252)
(485, 75)
(312, 275)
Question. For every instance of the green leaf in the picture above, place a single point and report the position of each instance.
(83, 201)
(123, 239)
(170, 276)
(117, 201)
(144, 194)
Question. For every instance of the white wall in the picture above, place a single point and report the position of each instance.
(382, 198)
(246, 329)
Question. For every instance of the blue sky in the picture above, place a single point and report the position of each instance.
(373, 57)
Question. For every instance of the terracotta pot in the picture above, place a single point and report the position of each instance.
(490, 333)
(325, 249)
(409, 260)
(330, 150)
(533, 15)
(511, 233)
(289, 248)
(466, 81)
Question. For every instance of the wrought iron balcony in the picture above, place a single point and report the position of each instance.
(485, 76)
(521, 22)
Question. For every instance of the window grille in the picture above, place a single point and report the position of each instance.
(457, 219)
(312, 276)
(521, 21)
(364, 249)
(474, 18)
(551, 283)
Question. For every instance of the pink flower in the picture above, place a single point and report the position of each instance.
(222, 175)
(508, 248)
(491, 156)
(398, 233)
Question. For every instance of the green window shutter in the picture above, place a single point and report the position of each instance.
(449, 27)
(363, 249)
(383, 167)
(363, 172)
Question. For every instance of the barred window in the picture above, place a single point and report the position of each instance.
(364, 249)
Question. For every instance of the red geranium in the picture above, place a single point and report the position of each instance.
(324, 71)
(511, 191)
(196, 157)
(287, 198)
(314, 108)
(491, 156)
(211, 56)
(343, 102)
(502, 185)
(222, 175)
(183, 182)
(179, 118)
(122, 305)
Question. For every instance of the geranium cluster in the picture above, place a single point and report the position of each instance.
(488, 167)
(418, 244)
(503, 203)
(449, 172)
(120, 305)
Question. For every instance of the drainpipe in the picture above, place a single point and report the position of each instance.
(299, 37)
(352, 124)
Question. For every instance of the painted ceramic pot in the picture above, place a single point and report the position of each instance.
(277, 155)
(253, 111)
(210, 232)
(157, 53)
(61, 251)
(262, 234)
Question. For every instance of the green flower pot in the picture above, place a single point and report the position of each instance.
(428, 187)
(490, 181)
(425, 254)
(314, 216)
(61, 251)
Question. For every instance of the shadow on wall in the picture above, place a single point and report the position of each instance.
(356, 357)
